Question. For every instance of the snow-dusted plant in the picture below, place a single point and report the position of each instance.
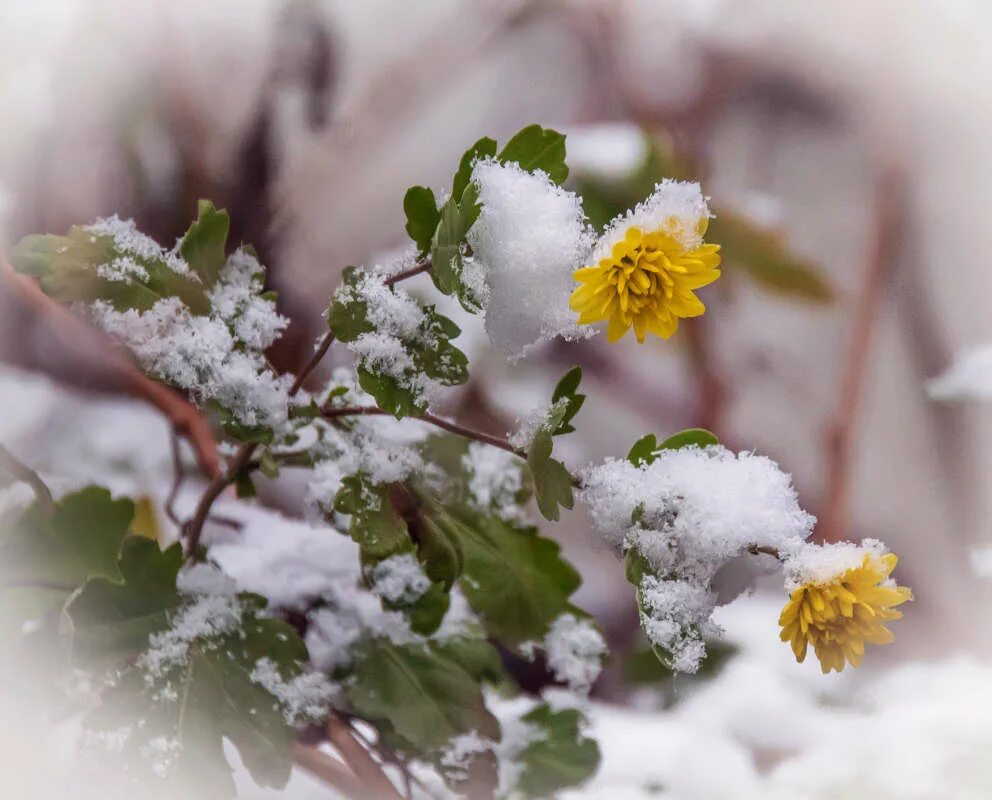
(377, 630)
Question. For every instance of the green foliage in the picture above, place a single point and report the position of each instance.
(514, 579)
(448, 247)
(203, 244)
(422, 695)
(69, 270)
(483, 148)
(422, 216)
(432, 355)
(647, 448)
(537, 148)
(561, 757)
(197, 696)
(552, 481)
(375, 525)
(567, 391)
(79, 540)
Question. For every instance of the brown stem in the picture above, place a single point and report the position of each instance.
(368, 771)
(22, 472)
(311, 365)
(178, 475)
(760, 549)
(409, 273)
(841, 430)
(430, 419)
(330, 771)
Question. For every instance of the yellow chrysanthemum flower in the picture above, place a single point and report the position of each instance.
(838, 616)
(646, 281)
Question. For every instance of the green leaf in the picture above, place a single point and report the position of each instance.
(643, 451)
(562, 757)
(427, 614)
(481, 149)
(430, 349)
(375, 525)
(423, 694)
(446, 248)
(80, 540)
(348, 314)
(203, 244)
(646, 449)
(536, 148)
(202, 691)
(567, 389)
(552, 481)
(514, 579)
(113, 618)
(762, 254)
(69, 269)
(422, 216)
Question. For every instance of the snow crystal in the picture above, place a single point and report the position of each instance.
(687, 514)
(199, 354)
(494, 479)
(529, 425)
(675, 616)
(306, 698)
(236, 299)
(349, 619)
(399, 321)
(822, 563)
(399, 579)
(207, 618)
(129, 241)
(531, 235)
(607, 150)
(457, 755)
(677, 207)
(123, 270)
(575, 651)
(968, 378)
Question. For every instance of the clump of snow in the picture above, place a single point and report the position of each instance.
(607, 150)
(495, 479)
(823, 563)
(676, 207)
(968, 378)
(531, 235)
(687, 514)
(204, 621)
(530, 424)
(305, 698)
(205, 578)
(381, 448)
(161, 752)
(575, 652)
(457, 756)
(237, 300)
(399, 579)
(400, 322)
(675, 616)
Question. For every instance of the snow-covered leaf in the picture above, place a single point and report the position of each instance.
(536, 148)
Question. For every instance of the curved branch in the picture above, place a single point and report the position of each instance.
(22, 472)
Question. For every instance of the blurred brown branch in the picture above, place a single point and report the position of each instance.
(22, 472)
(840, 433)
(118, 372)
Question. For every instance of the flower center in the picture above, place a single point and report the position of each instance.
(641, 276)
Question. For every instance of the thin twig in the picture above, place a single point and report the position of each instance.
(22, 472)
(311, 365)
(360, 761)
(430, 419)
(408, 273)
(178, 475)
(761, 549)
(30, 583)
(843, 427)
